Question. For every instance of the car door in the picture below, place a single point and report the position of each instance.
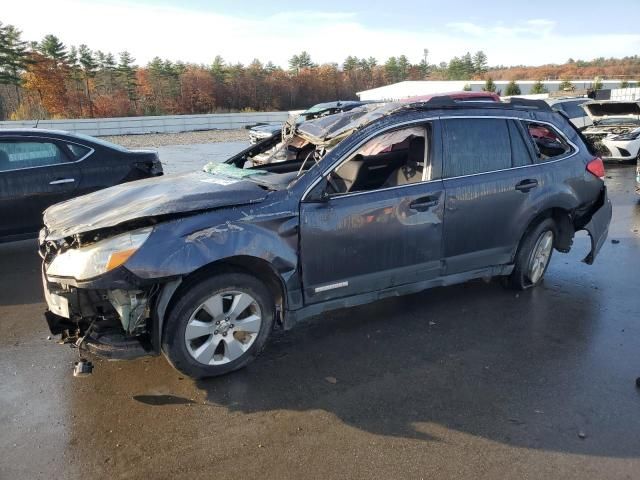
(34, 174)
(489, 179)
(383, 234)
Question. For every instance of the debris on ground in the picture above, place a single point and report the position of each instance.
(615, 241)
(582, 435)
(332, 380)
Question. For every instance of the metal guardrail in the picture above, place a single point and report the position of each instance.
(152, 124)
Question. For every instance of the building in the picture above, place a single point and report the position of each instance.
(408, 89)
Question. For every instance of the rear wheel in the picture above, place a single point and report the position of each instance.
(534, 255)
(218, 325)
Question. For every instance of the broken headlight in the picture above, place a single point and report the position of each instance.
(98, 258)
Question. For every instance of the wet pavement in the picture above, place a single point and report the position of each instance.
(469, 381)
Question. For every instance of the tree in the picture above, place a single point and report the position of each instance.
(489, 85)
(597, 83)
(466, 88)
(624, 84)
(512, 89)
(566, 86)
(480, 62)
(127, 73)
(392, 70)
(14, 58)
(538, 88)
(89, 67)
(51, 47)
(300, 62)
(403, 67)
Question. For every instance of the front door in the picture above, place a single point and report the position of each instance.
(381, 223)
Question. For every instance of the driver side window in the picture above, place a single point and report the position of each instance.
(395, 158)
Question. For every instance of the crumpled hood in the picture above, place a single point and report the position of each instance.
(151, 197)
(600, 110)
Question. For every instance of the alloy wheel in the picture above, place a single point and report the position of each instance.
(540, 256)
(223, 327)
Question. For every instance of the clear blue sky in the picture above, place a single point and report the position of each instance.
(510, 32)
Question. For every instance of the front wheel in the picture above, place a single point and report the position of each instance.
(218, 325)
(534, 255)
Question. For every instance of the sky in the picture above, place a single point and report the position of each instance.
(509, 32)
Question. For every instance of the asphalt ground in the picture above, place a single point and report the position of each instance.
(469, 381)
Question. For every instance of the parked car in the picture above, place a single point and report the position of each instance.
(396, 198)
(572, 108)
(615, 133)
(262, 132)
(41, 167)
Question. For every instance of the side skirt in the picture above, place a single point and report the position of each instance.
(292, 317)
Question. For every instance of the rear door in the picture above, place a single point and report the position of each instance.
(34, 174)
(489, 181)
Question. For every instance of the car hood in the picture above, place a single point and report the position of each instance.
(168, 195)
(600, 110)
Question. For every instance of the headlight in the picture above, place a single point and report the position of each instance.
(88, 262)
(628, 136)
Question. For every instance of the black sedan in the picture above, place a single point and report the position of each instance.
(41, 167)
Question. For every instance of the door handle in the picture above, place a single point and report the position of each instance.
(423, 204)
(60, 181)
(526, 185)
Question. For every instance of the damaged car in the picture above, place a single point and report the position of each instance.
(380, 201)
(615, 133)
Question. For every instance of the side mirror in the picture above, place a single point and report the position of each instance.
(319, 192)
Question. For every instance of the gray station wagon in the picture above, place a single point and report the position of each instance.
(383, 200)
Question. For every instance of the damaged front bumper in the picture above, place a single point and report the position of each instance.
(114, 317)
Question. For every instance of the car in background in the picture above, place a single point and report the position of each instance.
(390, 199)
(262, 132)
(572, 108)
(461, 96)
(615, 133)
(39, 168)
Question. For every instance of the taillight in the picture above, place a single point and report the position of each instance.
(596, 167)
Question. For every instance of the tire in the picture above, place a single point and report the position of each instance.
(529, 272)
(198, 346)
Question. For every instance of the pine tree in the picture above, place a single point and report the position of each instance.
(538, 88)
(566, 85)
(14, 58)
(480, 62)
(512, 89)
(489, 85)
(89, 67)
(127, 73)
(51, 47)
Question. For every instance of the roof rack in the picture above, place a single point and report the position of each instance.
(445, 101)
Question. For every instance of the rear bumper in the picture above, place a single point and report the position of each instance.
(598, 226)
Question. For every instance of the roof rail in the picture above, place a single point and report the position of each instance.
(445, 101)
(527, 103)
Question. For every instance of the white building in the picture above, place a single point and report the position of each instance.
(410, 88)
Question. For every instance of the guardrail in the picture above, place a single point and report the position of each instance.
(155, 124)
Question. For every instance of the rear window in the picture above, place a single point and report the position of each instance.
(78, 151)
(548, 143)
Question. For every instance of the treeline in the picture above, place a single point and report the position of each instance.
(47, 79)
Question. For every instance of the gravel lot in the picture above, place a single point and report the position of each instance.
(153, 140)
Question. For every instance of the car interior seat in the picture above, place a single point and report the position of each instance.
(411, 171)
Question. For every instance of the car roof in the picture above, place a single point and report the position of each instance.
(461, 95)
(39, 131)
